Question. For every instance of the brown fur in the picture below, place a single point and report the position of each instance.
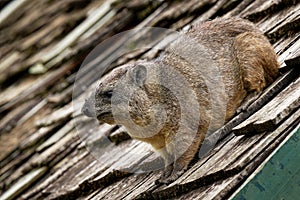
(246, 62)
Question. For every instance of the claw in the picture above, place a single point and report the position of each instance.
(169, 176)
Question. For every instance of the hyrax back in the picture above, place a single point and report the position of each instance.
(246, 63)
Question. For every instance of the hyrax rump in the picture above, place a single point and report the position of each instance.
(152, 112)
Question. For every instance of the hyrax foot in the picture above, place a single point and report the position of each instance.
(170, 174)
(165, 174)
(173, 177)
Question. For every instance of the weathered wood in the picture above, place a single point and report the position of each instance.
(54, 24)
(273, 113)
(57, 136)
(77, 32)
(39, 87)
(287, 129)
(260, 9)
(57, 116)
(119, 137)
(239, 8)
(292, 54)
(8, 61)
(281, 47)
(53, 138)
(66, 164)
(10, 10)
(23, 183)
(207, 15)
(293, 62)
(9, 122)
(12, 170)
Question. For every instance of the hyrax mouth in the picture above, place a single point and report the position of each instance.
(105, 116)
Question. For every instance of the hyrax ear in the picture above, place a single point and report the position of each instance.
(139, 74)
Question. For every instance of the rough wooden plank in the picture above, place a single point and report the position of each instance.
(10, 10)
(221, 159)
(293, 62)
(48, 158)
(10, 121)
(71, 176)
(115, 159)
(56, 28)
(285, 130)
(288, 27)
(12, 92)
(62, 50)
(78, 31)
(260, 9)
(47, 20)
(9, 60)
(11, 142)
(23, 183)
(130, 187)
(40, 85)
(9, 173)
(273, 113)
(292, 54)
(239, 8)
(89, 171)
(65, 165)
(57, 136)
(211, 12)
(280, 48)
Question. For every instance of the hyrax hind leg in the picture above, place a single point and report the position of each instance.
(257, 61)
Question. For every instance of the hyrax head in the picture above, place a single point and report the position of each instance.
(118, 93)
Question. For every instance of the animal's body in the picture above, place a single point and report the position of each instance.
(244, 59)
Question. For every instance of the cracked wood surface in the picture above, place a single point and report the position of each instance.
(43, 135)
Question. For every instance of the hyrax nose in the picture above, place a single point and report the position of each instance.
(88, 109)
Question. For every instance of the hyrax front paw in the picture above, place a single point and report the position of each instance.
(170, 174)
(164, 175)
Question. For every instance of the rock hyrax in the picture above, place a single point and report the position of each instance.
(152, 112)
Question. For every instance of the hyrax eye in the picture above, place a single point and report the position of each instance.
(108, 94)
